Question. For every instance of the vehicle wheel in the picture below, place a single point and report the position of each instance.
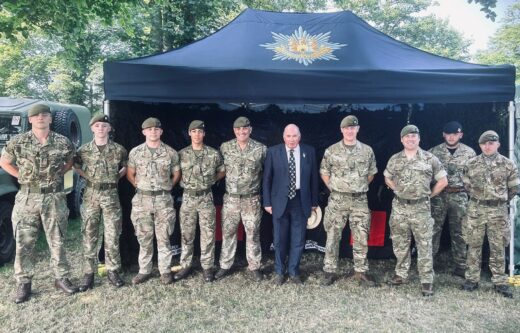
(66, 123)
(7, 244)
(75, 198)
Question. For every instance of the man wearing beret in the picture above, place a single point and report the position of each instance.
(102, 162)
(492, 181)
(153, 169)
(409, 174)
(244, 162)
(202, 166)
(453, 200)
(347, 169)
(39, 158)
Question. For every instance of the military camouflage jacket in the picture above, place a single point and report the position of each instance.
(101, 166)
(200, 168)
(490, 178)
(154, 172)
(348, 169)
(243, 167)
(39, 164)
(413, 177)
(454, 164)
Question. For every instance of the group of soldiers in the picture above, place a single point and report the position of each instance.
(447, 181)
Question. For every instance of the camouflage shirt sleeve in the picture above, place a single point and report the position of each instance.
(389, 171)
(124, 157)
(176, 164)
(325, 165)
(373, 165)
(513, 182)
(131, 159)
(78, 161)
(70, 151)
(438, 169)
(219, 162)
(8, 152)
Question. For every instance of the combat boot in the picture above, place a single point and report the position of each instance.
(469, 286)
(23, 292)
(208, 275)
(459, 271)
(183, 273)
(504, 290)
(221, 273)
(328, 279)
(65, 285)
(87, 282)
(364, 280)
(115, 279)
(167, 278)
(427, 289)
(140, 278)
(395, 281)
(257, 275)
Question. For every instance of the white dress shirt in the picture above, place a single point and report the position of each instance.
(297, 160)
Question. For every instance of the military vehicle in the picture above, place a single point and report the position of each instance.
(69, 120)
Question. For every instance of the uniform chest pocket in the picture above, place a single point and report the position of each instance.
(362, 168)
(422, 169)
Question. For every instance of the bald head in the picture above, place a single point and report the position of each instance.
(291, 136)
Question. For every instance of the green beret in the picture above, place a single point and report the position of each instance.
(151, 122)
(488, 136)
(409, 129)
(349, 121)
(99, 118)
(37, 109)
(241, 122)
(196, 124)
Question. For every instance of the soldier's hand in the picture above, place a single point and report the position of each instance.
(269, 210)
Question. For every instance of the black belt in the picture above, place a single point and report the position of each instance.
(242, 196)
(197, 193)
(40, 190)
(454, 189)
(412, 201)
(160, 192)
(353, 195)
(489, 203)
(101, 186)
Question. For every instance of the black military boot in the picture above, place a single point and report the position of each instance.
(141, 278)
(504, 290)
(65, 285)
(328, 279)
(208, 275)
(221, 273)
(87, 282)
(183, 273)
(257, 275)
(469, 286)
(115, 279)
(167, 278)
(23, 292)
(364, 280)
(427, 289)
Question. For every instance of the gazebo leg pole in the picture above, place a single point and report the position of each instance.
(512, 210)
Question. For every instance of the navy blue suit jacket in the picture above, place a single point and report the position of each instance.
(276, 179)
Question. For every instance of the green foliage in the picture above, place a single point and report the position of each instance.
(487, 7)
(287, 5)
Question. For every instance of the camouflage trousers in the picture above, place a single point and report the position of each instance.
(250, 211)
(198, 208)
(494, 221)
(153, 214)
(30, 211)
(340, 209)
(97, 206)
(452, 205)
(407, 220)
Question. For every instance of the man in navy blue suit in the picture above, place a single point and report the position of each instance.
(290, 193)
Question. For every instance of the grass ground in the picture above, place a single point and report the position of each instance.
(237, 304)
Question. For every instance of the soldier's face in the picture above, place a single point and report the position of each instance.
(100, 129)
(411, 141)
(452, 139)
(197, 135)
(350, 133)
(152, 134)
(489, 148)
(291, 137)
(242, 133)
(41, 121)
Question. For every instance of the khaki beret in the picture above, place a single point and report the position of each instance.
(241, 122)
(349, 121)
(196, 124)
(37, 109)
(452, 127)
(99, 118)
(151, 122)
(488, 136)
(409, 129)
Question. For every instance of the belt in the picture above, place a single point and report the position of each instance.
(101, 186)
(489, 203)
(242, 196)
(353, 195)
(412, 201)
(40, 190)
(160, 192)
(454, 189)
(197, 193)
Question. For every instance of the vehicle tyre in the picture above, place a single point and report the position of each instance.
(7, 243)
(75, 198)
(66, 123)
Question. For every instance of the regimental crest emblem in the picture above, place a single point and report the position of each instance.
(303, 47)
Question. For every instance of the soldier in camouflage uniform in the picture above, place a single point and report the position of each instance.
(409, 174)
(201, 167)
(492, 181)
(153, 169)
(453, 201)
(102, 163)
(243, 160)
(39, 159)
(347, 169)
